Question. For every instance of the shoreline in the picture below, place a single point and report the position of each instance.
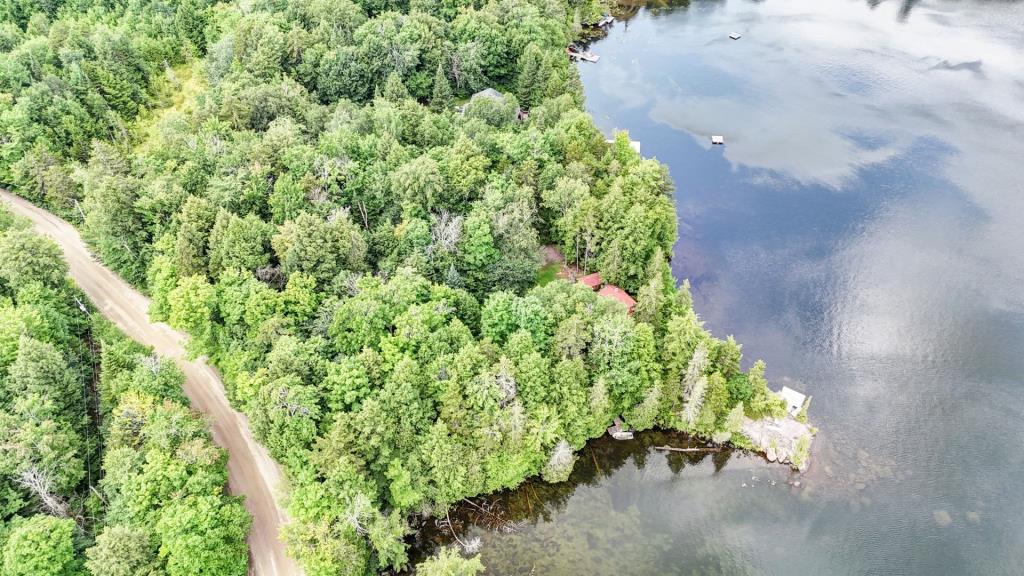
(535, 499)
(786, 439)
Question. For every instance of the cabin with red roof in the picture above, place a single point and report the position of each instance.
(613, 291)
(592, 281)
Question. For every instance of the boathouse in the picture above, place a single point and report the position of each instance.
(794, 400)
(634, 144)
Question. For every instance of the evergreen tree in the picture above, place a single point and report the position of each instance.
(441, 98)
(531, 80)
(394, 88)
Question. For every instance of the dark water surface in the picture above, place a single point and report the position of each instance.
(862, 230)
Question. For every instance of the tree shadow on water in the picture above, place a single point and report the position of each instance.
(538, 505)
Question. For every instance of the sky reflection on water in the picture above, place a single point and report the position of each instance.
(862, 230)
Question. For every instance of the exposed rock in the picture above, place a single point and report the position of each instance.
(784, 440)
(617, 431)
(942, 518)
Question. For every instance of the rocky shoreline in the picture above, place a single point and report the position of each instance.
(784, 440)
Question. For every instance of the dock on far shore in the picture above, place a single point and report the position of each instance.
(586, 56)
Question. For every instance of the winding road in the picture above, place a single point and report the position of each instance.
(251, 471)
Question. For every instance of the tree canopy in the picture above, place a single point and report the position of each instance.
(325, 197)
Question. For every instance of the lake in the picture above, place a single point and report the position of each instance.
(862, 230)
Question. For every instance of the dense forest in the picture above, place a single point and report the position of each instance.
(319, 194)
(103, 468)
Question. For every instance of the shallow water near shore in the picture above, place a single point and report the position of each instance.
(862, 230)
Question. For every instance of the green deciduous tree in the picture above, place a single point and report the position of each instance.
(448, 562)
(318, 247)
(40, 370)
(242, 243)
(285, 416)
(191, 307)
(201, 536)
(192, 242)
(41, 546)
(28, 257)
(124, 551)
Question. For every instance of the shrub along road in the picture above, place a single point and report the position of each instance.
(252, 473)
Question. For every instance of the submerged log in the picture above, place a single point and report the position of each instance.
(673, 449)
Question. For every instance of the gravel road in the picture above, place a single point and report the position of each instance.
(251, 471)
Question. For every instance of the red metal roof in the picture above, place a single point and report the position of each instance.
(592, 281)
(613, 291)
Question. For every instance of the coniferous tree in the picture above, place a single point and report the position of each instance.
(394, 88)
(441, 97)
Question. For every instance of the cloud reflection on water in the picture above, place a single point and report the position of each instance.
(863, 230)
(799, 78)
(825, 92)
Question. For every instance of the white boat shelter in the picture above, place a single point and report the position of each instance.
(794, 400)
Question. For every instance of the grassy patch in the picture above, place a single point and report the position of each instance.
(741, 441)
(801, 451)
(548, 273)
(177, 89)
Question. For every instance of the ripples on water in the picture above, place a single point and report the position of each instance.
(863, 231)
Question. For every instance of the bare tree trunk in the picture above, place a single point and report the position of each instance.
(362, 212)
(40, 484)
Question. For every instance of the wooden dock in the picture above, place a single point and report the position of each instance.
(584, 56)
(616, 431)
(605, 20)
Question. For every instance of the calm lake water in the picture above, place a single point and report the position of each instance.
(862, 230)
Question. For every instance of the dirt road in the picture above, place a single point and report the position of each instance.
(251, 471)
